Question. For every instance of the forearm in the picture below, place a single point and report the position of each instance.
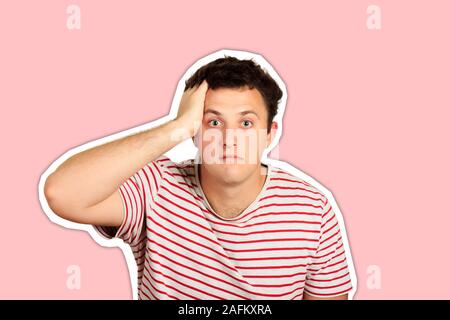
(92, 175)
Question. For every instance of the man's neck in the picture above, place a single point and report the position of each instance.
(229, 201)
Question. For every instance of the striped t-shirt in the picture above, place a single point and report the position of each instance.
(287, 242)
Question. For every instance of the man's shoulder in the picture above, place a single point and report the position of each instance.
(173, 166)
(288, 178)
(163, 161)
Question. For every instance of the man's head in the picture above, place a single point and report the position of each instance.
(232, 73)
(240, 105)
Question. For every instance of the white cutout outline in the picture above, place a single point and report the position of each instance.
(182, 152)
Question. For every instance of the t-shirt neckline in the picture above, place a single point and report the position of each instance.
(246, 210)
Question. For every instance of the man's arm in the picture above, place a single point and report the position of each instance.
(84, 188)
(310, 297)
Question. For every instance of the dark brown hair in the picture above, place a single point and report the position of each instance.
(231, 72)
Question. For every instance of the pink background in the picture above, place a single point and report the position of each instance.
(367, 116)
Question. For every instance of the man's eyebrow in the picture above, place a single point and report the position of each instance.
(240, 113)
(248, 111)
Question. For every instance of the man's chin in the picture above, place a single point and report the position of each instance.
(227, 172)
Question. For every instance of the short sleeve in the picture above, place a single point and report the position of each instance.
(138, 194)
(328, 273)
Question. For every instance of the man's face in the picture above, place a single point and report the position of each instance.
(233, 134)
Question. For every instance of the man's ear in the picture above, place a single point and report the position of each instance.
(196, 139)
(273, 131)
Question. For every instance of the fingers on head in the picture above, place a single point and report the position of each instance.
(202, 85)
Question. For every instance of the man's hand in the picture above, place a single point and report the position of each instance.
(190, 112)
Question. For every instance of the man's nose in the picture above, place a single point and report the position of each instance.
(230, 138)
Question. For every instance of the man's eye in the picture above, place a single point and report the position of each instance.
(247, 123)
(214, 122)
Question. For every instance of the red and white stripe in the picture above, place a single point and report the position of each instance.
(286, 243)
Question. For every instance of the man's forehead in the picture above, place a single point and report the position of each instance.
(226, 100)
(244, 111)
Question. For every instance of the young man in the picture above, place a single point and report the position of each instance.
(223, 225)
